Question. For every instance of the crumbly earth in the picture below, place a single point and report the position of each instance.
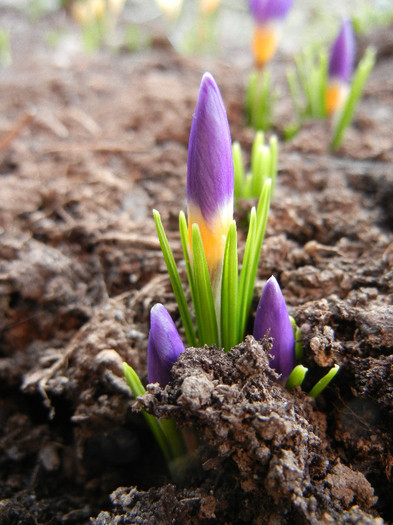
(88, 146)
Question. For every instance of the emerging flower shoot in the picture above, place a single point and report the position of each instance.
(268, 15)
(342, 56)
(272, 316)
(210, 179)
(170, 8)
(323, 84)
(221, 295)
(261, 97)
(208, 7)
(164, 346)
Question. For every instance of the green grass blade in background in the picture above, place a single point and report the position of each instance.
(238, 168)
(273, 143)
(361, 74)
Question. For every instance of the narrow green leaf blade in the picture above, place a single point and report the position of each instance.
(138, 389)
(297, 334)
(203, 295)
(245, 274)
(229, 291)
(323, 383)
(294, 90)
(361, 74)
(296, 377)
(259, 140)
(251, 255)
(273, 143)
(183, 229)
(238, 168)
(261, 169)
(322, 82)
(173, 437)
(175, 280)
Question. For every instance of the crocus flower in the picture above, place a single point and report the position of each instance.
(170, 8)
(208, 7)
(268, 15)
(164, 346)
(210, 177)
(272, 315)
(342, 56)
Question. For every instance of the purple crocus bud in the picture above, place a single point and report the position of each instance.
(267, 10)
(341, 61)
(210, 177)
(342, 54)
(164, 346)
(268, 15)
(272, 315)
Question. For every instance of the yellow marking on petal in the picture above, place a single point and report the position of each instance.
(264, 44)
(213, 234)
(335, 97)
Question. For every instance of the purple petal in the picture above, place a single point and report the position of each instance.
(342, 54)
(164, 346)
(210, 178)
(267, 10)
(272, 315)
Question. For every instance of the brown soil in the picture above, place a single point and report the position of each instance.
(87, 149)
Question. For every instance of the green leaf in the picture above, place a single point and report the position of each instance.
(138, 389)
(312, 68)
(238, 169)
(297, 334)
(203, 296)
(250, 95)
(259, 140)
(247, 186)
(173, 437)
(273, 143)
(229, 291)
(296, 377)
(260, 100)
(175, 281)
(252, 253)
(323, 383)
(361, 74)
(294, 90)
(298, 345)
(245, 275)
(322, 82)
(261, 170)
(183, 228)
(291, 130)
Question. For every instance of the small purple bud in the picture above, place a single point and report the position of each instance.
(265, 11)
(164, 346)
(272, 315)
(210, 177)
(342, 54)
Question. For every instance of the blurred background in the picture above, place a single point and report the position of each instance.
(196, 27)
